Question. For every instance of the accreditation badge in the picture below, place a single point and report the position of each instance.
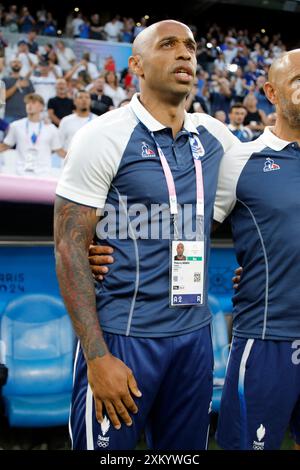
(31, 160)
(187, 273)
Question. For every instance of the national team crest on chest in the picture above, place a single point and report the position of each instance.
(270, 165)
(147, 151)
(196, 146)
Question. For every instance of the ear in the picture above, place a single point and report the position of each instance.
(135, 64)
(270, 92)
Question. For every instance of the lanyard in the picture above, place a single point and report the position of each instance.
(197, 152)
(34, 136)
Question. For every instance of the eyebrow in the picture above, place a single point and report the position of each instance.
(175, 38)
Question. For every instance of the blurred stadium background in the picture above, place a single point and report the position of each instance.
(237, 41)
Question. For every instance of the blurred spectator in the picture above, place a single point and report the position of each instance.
(34, 139)
(256, 118)
(241, 58)
(41, 16)
(262, 101)
(237, 116)
(33, 46)
(130, 91)
(101, 103)
(17, 86)
(220, 63)
(43, 81)
(220, 95)
(84, 65)
(50, 25)
(65, 55)
(112, 88)
(84, 30)
(77, 22)
(96, 30)
(230, 50)
(55, 69)
(139, 27)
(251, 75)
(82, 114)
(113, 29)
(27, 59)
(61, 105)
(195, 103)
(26, 21)
(127, 31)
(109, 64)
(220, 115)
(238, 85)
(11, 20)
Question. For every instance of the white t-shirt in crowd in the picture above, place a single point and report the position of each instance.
(76, 23)
(69, 125)
(117, 95)
(44, 86)
(34, 159)
(92, 70)
(64, 58)
(24, 58)
(113, 30)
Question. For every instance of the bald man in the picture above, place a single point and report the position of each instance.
(259, 187)
(144, 359)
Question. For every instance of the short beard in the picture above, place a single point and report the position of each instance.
(291, 112)
(292, 116)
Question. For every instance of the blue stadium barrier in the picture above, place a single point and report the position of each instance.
(39, 343)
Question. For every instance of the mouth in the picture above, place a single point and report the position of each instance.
(184, 74)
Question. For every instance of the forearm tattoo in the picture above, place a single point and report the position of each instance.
(74, 229)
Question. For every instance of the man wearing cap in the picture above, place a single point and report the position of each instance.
(28, 60)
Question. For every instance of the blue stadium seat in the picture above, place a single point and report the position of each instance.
(39, 343)
(220, 342)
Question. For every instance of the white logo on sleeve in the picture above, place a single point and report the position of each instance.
(101, 440)
(260, 434)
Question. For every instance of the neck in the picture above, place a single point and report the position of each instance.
(169, 114)
(83, 113)
(284, 131)
(15, 74)
(36, 117)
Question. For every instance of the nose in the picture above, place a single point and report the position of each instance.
(183, 52)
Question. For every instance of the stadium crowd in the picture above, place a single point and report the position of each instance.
(232, 69)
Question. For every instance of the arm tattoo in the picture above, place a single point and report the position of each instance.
(74, 229)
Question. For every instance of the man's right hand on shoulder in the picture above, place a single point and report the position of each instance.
(99, 257)
(113, 385)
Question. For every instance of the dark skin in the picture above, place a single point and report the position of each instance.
(112, 382)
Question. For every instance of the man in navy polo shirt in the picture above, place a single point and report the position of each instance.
(259, 186)
(141, 360)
